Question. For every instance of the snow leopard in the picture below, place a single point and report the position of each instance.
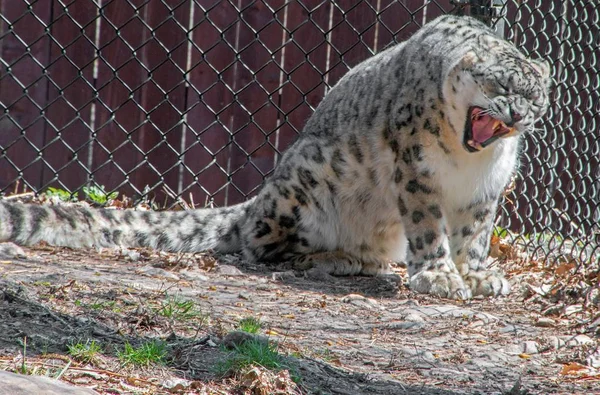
(404, 160)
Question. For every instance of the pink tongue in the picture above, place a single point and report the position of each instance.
(482, 128)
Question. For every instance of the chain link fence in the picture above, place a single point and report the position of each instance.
(197, 98)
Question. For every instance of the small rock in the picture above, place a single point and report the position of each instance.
(414, 317)
(11, 250)
(361, 301)
(131, 255)
(416, 354)
(490, 358)
(545, 322)
(176, 384)
(157, 272)
(568, 341)
(281, 276)
(508, 328)
(17, 384)
(527, 347)
(404, 325)
(192, 276)
(229, 270)
(579, 340)
(594, 359)
(237, 338)
(530, 347)
(244, 295)
(211, 343)
(576, 308)
(265, 287)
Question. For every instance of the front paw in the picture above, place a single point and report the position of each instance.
(487, 283)
(442, 284)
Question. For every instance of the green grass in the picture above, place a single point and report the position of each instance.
(98, 195)
(153, 352)
(104, 305)
(250, 325)
(251, 353)
(175, 308)
(61, 194)
(84, 352)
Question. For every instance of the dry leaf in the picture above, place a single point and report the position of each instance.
(572, 368)
(564, 268)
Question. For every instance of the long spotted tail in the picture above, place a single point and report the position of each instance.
(79, 226)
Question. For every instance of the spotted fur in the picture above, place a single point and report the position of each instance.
(381, 172)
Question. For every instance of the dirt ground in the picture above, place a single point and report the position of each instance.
(354, 335)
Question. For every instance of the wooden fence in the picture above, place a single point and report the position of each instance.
(200, 96)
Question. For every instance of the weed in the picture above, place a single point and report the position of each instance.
(153, 352)
(250, 325)
(84, 352)
(251, 353)
(23, 369)
(500, 232)
(105, 305)
(61, 194)
(98, 195)
(173, 307)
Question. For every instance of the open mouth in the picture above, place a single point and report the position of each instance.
(482, 130)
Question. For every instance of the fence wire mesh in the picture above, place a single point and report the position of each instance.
(198, 97)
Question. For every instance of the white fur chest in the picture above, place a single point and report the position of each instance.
(466, 177)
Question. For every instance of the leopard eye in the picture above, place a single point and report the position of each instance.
(505, 89)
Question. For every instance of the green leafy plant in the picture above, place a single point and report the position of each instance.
(98, 195)
(250, 325)
(500, 232)
(152, 352)
(61, 194)
(84, 352)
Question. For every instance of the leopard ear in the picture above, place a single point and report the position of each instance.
(542, 67)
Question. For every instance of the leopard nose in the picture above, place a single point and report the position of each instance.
(514, 118)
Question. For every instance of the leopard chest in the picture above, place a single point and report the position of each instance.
(465, 178)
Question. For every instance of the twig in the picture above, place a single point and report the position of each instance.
(108, 372)
(63, 370)
(18, 196)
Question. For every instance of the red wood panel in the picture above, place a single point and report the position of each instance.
(210, 101)
(141, 95)
(304, 66)
(163, 95)
(259, 37)
(119, 81)
(23, 90)
(70, 94)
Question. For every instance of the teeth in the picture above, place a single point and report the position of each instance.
(497, 125)
(475, 144)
